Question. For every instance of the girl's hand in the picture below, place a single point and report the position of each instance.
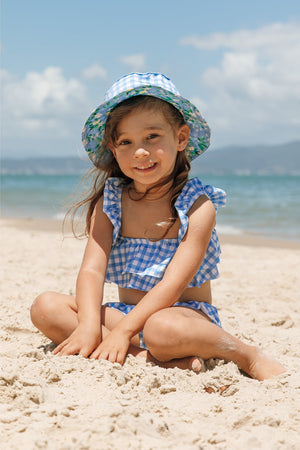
(82, 341)
(113, 348)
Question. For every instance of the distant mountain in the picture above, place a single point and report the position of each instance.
(273, 159)
(45, 166)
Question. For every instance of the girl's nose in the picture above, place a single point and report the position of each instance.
(141, 152)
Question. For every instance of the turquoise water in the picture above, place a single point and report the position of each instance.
(260, 205)
(257, 204)
(36, 196)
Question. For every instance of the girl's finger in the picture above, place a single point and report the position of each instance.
(94, 355)
(112, 357)
(68, 349)
(58, 348)
(85, 352)
(63, 351)
(98, 352)
(120, 357)
(103, 355)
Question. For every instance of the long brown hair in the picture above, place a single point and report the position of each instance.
(106, 166)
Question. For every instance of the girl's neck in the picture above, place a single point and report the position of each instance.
(150, 193)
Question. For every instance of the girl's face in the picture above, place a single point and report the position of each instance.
(146, 147)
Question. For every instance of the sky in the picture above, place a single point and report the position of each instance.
(238, 61)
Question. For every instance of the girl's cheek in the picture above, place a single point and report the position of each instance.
(159, 152)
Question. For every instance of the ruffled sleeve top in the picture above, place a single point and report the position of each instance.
(140, 263)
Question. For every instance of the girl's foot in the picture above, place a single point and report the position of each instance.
(193, 363)
(262, 367)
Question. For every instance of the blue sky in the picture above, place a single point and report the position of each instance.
(237, 61)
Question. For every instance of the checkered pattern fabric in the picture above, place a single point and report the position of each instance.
(135, 80)
(140, 263)
(209, 310)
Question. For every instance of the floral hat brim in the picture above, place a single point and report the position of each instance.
(93, 132)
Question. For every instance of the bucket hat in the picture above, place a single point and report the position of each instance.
(152, 84)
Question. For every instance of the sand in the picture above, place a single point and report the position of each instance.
(51, 402)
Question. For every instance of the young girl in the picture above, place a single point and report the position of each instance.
(151, 231)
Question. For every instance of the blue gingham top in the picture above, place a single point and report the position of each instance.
(140, 263)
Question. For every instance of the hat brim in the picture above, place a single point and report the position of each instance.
(93, 132)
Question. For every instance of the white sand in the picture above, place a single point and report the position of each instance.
(51, 402)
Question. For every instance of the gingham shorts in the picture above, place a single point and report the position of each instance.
(209, 310)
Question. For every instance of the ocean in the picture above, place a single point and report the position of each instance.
(260, 205)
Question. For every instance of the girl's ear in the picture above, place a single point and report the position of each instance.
(111, 148)
(183, 137)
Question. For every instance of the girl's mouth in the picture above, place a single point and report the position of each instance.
(146, 167)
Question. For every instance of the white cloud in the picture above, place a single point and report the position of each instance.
(94, 71)
(273, 35)
(136, 62)
(255, 89)
(43, 102)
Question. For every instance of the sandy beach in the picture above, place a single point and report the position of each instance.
(51, 402)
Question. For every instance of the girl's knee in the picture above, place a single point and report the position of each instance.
(162, 332)
(42, 307)
(155, 326)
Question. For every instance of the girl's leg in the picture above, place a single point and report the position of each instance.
(55, 315)
(178, 332)
(110, 317)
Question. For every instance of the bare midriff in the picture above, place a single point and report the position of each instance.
(200, 294)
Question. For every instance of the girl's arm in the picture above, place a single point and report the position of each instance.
(180, 271)
(89, 287)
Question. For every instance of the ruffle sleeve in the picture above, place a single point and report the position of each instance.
(192, 190)
(112, 196)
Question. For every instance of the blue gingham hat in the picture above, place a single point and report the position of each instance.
(153, 84)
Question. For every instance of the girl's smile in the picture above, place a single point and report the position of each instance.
(146, 147)
(147, 168)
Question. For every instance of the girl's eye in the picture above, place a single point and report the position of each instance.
(123, 142)
(153, 136)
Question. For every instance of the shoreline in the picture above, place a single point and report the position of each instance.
(56, 226)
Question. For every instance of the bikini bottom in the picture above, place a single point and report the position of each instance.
(209, 310)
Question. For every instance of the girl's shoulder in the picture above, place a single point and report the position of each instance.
(193, 189)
